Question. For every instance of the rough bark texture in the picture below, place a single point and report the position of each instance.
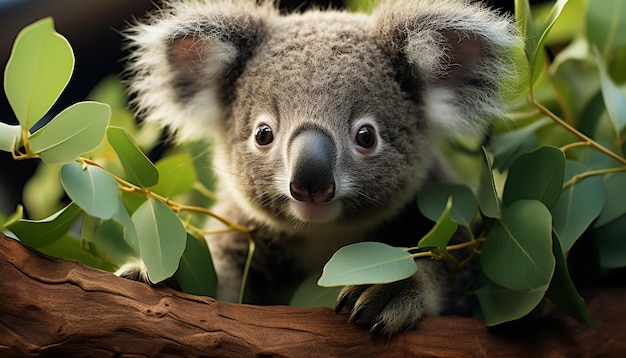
(54, 307)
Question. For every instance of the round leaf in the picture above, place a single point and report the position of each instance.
(309, 294)
(75, 131)
(536, 175)
(162, 238)
(579, 204)
(196, 274)
(367, 263)
(39, 68)
(517, 253)
(9, 136)
(499, 305)
(92, 189)
(433, 198)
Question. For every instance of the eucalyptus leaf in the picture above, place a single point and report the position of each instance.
(39, 68)
(72, 248)
(138, 168)
(93, 189)
(537, 52)
(162, 238)
(438, 237)
(614, 99)
(611, 244)
(606, 24)
(75, 131)
(38, 233)
(10, 137)
(517, 252)
(488, 200)
(367, 263)
(499, 305)
(433, 198)
(615, 204)
(123, 218)
(176, 175)
(105, 239)
(196, 274)
(309, 294)
(537, 175)
(579, 204)
(562, 291)
(509, 145)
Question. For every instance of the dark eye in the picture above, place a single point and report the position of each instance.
(264, 135)
(366, 137)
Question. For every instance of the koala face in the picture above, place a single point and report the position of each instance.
(323, 117)
(318, 117)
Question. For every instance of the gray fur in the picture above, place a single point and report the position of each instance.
(409, 72)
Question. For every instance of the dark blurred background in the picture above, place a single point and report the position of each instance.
(91, 27)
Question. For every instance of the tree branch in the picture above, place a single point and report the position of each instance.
(56, 307)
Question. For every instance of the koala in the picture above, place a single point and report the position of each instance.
(324, 126)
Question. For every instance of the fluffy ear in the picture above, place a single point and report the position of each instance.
(460, 50)
(185, 58)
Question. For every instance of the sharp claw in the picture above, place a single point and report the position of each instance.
(341, 302)
(356, 314)
(378, 327)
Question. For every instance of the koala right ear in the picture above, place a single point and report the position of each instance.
(185, 58)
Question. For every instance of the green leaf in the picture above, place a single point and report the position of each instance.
(526, 25)
(367, 263)
(606, 24)
(176, 175)
(517, 253)
(10, 137)
(75, 131)
(579, 204)
(433, 199)
(614, 99)
(91, 188)
(39, 68)
(536, 49)
(611, 244)
(488, 200)
(105, 239)
(195, 273)
(309, 294)
(162, 238)
(536, 175)
(38, 233)
(123, 218)
(200, 153)
(562, 291)
(138, 168)
(615, 204)
(438, 237)
(509, 145)
(71, 248)
(499, 305)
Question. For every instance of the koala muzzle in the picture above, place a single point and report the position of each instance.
(312, 161)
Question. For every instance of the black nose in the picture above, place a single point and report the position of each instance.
(312, 162)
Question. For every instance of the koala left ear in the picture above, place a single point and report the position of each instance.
(186, 57)
(461, 51)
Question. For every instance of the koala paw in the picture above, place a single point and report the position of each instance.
(393, 307)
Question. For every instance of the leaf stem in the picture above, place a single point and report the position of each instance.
(590, 173)
(586, 140)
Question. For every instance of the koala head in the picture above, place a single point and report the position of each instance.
(323, 116)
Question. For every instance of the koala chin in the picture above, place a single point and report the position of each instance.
(324, 125)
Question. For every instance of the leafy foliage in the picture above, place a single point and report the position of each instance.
(551, 177)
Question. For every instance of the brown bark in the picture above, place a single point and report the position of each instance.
(56, 307)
